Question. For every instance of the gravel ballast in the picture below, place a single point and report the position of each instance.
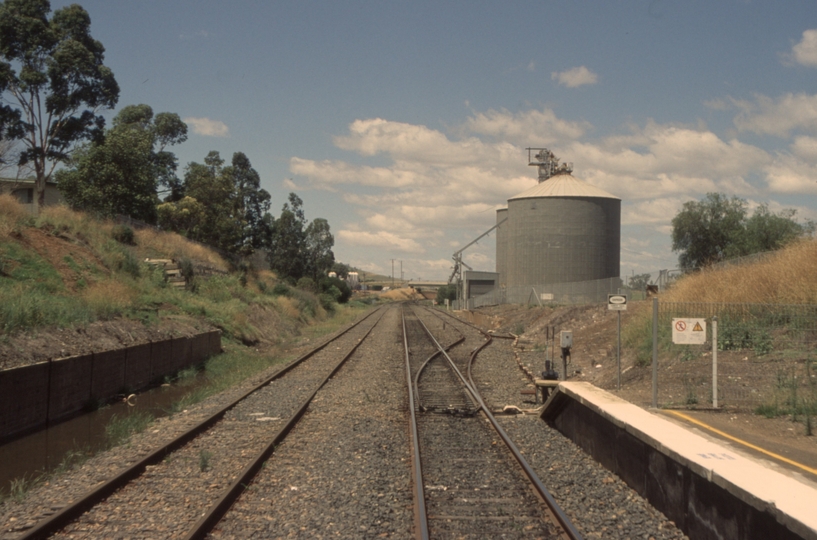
(344, 471)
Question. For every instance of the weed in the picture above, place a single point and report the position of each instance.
(123, 234)
(204, 460)
(19, 487)
(121, 428)
(689, 386)
(187, 269)
(520, 329)
(769, 411)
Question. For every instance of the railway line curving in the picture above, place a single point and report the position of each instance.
(473, 485)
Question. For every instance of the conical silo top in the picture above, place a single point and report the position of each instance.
(563, 185)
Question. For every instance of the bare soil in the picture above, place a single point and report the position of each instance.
(593, 359)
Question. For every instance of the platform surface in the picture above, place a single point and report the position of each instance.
(792, 501)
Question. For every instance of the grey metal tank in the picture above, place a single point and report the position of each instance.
(559, 231)
(502, 246)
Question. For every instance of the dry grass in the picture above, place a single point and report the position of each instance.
(178, 247)
(401, 294)
(109, 298)
(288, 307)
(785, 277)
(12, 214)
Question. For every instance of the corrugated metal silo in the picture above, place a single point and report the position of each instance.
(502, 246)
(561, 230)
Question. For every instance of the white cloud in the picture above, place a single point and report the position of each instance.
(780, 116)
(207, 127)
(652, 212)
(380, 239)
(531, 127)
(789, 174)
(532, 66)
(805, 148)
(577, 76)
(432, 192)
(805, 52)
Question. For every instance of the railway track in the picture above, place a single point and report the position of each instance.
(470, 480)
(184, 488)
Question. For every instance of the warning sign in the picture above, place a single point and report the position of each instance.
(689, 331)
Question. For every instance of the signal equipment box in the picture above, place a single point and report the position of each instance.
(566, 338)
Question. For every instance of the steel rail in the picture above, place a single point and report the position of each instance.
(420, 515)
(96, 494)
(234, 491)
(568, 527)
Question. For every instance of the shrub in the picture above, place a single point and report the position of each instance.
(338, 288)
(307, 284)
(123, 234)
(327, 301)
(280, 289)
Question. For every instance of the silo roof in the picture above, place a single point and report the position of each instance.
(563, 185)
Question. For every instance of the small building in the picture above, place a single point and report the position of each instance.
(24, 191)
(477, 283)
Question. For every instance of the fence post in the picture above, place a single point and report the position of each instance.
(654, 353)
(715, 361)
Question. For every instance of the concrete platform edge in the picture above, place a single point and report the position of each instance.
(669, 464)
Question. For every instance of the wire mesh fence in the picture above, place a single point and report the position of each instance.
(766, 357)
(577, 292)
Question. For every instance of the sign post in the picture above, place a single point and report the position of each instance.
(618, 302)
(715, 361)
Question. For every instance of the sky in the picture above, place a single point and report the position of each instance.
(405, 124)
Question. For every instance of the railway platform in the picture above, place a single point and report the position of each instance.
(708, 489)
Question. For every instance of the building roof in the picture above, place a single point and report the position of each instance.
(563, 185)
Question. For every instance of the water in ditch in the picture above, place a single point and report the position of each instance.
(27, 458)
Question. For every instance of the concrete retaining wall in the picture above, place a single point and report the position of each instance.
(32, 396)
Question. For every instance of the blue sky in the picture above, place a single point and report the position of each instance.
(404, 123)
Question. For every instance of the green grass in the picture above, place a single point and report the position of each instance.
(120, 428)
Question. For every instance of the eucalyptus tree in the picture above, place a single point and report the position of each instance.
(719, 228)
(121, 173)
(223, 206)
(54, 83)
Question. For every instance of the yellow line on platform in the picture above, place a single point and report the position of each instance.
(741, 441)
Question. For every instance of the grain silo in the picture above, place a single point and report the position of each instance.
(502, 244)
(561, 230)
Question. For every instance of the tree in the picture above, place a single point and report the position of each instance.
(716, 228)
(639, 282)
(704, 231)
(287, 241)
(251, 204)
(318, 245)
(53, 70)
(220, 206)
(765, 231)
(121, 173)
(342, 270)
(447, 292)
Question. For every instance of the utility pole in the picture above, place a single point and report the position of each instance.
(401, 273)
(392, 273)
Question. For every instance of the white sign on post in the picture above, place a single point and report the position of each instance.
(689, 331)
(617, 302)
(546, 296)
